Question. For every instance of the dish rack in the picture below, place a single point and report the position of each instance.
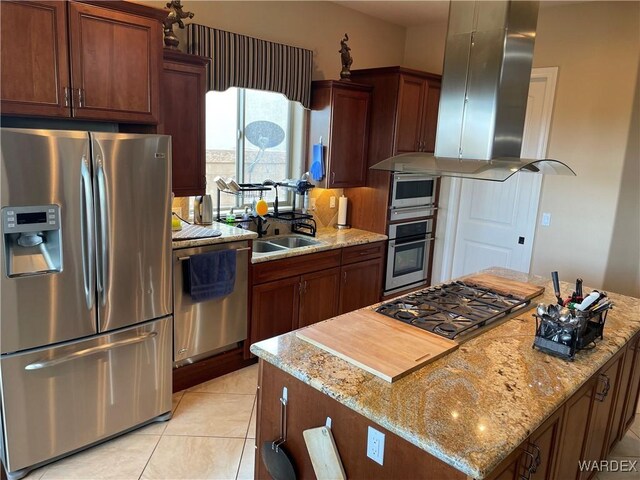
(563, 339)
(302, 223)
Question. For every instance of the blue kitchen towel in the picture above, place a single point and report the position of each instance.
(210, 275)
(317, 166)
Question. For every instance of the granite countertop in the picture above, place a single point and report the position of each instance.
(229, 234)
(328, 238)
(473, 407)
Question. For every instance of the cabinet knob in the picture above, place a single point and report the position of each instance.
(66, 96)
(333, 177)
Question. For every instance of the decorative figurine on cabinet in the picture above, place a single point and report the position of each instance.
(345, 56)
(175, 16)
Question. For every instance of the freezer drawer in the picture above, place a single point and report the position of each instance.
(205, 328)
(63, 398)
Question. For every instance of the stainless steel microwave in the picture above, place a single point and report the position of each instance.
(412, 190)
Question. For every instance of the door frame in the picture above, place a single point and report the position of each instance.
(450, 224)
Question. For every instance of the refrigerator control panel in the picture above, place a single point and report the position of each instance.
(37, 218)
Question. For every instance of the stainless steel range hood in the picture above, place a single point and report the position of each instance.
(483, 102)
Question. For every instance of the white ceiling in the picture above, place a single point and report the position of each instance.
(412, 13)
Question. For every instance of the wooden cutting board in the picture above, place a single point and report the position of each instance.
(504, 286)
(378, 344)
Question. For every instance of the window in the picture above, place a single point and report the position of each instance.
(252, 136)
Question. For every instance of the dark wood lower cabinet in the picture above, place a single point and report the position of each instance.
(274, 308)
(604, 396)
(580, 429)
(318, 296)
(298, 291)
(361, 285)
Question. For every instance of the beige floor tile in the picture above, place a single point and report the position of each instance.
(247, 463)
(635, 426)
(212, 415)
(155, 428)
(195, 458)
(628, 475)
(175, 400)
(122, 458)
(629, 446)
(243, 381)
(251, 433)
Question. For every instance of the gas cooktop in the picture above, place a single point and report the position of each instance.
(451, 310)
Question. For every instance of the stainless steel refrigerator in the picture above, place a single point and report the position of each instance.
(86, 307)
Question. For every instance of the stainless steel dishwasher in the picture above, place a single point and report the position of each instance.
(205, 328)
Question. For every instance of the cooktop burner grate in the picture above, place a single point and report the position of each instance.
(451, 309)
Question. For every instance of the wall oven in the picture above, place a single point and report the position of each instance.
(408, 255)
(412, 190)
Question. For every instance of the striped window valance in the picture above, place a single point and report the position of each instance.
(246, 62)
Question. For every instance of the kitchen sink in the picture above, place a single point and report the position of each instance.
(262, 246)
(294, 242)
(280, 244)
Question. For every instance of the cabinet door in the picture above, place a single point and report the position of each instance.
(430, 117)
(574, 432)
(34, 75)
(634, 385)
(115, 64)
(319, 296)
(544, 442)
(183, 117)
(617, 426)
(348, 138)
(602, 411)
(274, 308)
(361, 285)
(411, 99)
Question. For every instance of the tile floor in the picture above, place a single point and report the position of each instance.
(211, 436)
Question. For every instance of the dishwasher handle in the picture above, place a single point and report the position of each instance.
(187, 257)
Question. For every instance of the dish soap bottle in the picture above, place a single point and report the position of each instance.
(231, 218)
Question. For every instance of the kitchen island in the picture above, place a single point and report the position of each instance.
(467, 414)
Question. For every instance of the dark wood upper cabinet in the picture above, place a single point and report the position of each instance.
(115, 62)
(340, 115)
(404, 116)
(34, 76)
(106, 68)
(183, 117)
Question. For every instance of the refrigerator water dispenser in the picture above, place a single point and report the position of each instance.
(32, 240)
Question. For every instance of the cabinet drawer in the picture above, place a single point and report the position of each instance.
(360, 253)
(290, 267)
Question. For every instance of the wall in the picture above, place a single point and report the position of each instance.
(424, 47)
(318, 26)
(596, 46)
(594, 227)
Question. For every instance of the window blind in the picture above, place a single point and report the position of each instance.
(246, 62)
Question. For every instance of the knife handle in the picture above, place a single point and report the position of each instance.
(556, 283)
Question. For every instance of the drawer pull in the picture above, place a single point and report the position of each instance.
(601, 396)
(90, 351)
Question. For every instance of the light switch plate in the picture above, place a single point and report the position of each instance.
(375, 445)
(546, 219)
(332, 202)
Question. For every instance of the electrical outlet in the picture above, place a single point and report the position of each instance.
(375, 445)
(177, 211)
(546, 219)
(332, 202)
(312, 204)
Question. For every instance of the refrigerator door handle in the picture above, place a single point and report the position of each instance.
(87, 226)
(103, 277)
(90, 351)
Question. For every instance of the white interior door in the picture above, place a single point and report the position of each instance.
(496, 221)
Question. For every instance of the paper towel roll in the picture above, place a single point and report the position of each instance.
(342, 211)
